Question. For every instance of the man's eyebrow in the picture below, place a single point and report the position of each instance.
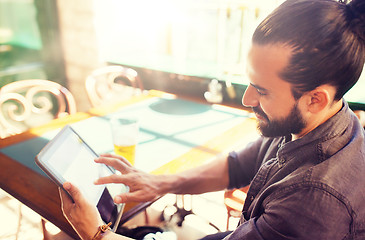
(258, 87)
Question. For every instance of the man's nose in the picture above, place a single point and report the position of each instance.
(250, 97)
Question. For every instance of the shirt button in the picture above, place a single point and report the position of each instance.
(281, 162)
(252, 198)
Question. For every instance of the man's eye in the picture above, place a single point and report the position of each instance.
(261, 93)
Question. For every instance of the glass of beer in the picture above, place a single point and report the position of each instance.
(125, 136)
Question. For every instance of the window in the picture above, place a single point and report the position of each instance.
(200, 38)
(190, 37)
(29, 43)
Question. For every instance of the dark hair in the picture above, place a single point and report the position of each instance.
(327, 38)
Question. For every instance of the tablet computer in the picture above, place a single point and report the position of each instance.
(67, 157)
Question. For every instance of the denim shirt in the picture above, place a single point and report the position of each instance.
(310, 188)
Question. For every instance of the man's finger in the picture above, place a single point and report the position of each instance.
(124, 198)
(115, 178)
(65, 198)
(137, 196)
(119, 164)
(66, 202)
(117, 158)
(73, 191)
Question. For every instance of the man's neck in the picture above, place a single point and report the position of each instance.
(319, 119)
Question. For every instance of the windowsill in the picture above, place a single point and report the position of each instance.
(195, 87)
(186, 86)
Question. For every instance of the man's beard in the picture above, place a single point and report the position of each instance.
(291, 124)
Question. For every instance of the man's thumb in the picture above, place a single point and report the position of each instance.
(72, 190)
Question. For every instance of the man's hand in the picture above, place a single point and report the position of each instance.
(143, 186)
(83, 216)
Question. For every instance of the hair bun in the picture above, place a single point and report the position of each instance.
(356, 17)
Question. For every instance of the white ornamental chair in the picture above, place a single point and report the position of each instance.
(109, 84)
(29, 103)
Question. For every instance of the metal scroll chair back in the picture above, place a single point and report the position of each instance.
(29, 103)
(109, 84)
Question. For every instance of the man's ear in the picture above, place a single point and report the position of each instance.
(317, 99)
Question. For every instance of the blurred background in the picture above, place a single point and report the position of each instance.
(177, 46)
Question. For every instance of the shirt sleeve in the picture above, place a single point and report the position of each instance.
(244, 164)
(294, 215)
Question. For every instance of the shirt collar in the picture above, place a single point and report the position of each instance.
(329, 129)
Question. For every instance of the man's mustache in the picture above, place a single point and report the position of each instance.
(259, 111)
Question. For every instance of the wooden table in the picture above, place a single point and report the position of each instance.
(178, 134)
